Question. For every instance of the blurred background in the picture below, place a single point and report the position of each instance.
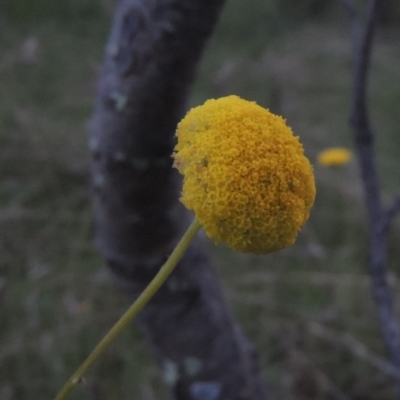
(307, 309)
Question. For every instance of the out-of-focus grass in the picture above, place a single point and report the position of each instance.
(307, 308)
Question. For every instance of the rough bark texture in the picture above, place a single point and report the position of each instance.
(150, 63)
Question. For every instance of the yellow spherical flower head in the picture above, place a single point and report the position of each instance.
(334, 157)
(245, 175)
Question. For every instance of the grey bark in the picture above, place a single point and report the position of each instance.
(150, 64)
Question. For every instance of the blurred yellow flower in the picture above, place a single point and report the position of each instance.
(334, 156)
(245, 175)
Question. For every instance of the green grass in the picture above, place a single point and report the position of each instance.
(308, 308)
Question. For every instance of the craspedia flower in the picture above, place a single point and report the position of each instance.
(334, 157)
(245, 175)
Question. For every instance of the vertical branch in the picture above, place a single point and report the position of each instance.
(364, 146)
(150, 64)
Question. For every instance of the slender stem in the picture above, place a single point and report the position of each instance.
(133, 310)
(378, 219)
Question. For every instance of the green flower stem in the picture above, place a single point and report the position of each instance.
(133, 310)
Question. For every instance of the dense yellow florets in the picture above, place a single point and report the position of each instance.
(334, 156)
(245, 175)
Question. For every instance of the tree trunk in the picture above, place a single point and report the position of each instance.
(150, 63)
